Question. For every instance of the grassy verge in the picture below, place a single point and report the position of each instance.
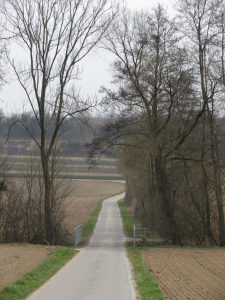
(147, 287)
(32, 280)
(88, 228)
(128, 220)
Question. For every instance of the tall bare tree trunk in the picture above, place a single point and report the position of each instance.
(167, 205)
(217, 182)
(208, 231)
(214, 147)
(47, 196)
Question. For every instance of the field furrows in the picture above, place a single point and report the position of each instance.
(17, 259)
(188, 274)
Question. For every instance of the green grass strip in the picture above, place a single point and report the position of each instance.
(128, 220)
(147, 287)
(88, 228)
(32, 280)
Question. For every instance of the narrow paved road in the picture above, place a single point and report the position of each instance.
(100, 271)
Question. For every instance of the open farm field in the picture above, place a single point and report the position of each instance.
(81, 197)
(70, 167)
(85, 195)
(188, 274)
(66, 159)
(15, 260)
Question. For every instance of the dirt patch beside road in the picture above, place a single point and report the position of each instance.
(15, 260)
(188, 274)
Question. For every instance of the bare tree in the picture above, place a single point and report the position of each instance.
(55, 36)
(153, 84)
(168, 93)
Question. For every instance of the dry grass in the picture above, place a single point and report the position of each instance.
(188, 274)
(15, 260)
(84, 197)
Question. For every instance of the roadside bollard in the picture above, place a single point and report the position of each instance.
(134, 241)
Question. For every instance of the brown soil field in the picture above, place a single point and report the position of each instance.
(188, 274)
(15, 260)
(85, 194)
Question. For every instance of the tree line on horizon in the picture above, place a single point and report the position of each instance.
(74, 135)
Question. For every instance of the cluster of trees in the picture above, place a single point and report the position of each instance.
(22, 213)
(168, 99)
(168, 107)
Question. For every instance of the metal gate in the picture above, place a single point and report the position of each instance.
(78, 235)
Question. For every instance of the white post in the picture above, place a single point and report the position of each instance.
(134, 235)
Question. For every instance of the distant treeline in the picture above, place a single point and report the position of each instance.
(73, 138)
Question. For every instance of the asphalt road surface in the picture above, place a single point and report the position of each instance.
(100, 271)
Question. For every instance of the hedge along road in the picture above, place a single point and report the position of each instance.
(101, 270)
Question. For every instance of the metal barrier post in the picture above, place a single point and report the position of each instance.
(134, 236)
(144, 233)
(78, 235)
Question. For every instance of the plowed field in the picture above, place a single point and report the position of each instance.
(15, 260)
(188, 274)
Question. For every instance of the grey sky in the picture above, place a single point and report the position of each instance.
(95, 69)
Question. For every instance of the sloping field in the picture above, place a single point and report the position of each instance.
(15, 260)
(85, 195)
(188, 274)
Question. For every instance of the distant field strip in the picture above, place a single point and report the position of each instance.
(65, 159)
(70, 167)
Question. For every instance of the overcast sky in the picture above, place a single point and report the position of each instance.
(95, 69)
